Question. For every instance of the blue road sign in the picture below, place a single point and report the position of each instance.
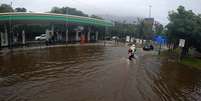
(160, 39)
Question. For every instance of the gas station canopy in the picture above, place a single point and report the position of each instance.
(20, 17)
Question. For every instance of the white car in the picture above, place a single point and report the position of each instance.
(41, 37)
(115, 38)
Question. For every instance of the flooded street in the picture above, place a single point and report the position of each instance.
(94, 73)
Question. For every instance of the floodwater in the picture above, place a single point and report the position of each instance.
(94, 73)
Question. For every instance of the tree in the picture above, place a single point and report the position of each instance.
(184, 24)
(20, 9)
(139, 28)
(5, 8)
(158, 28)
(122, 29)
(67, 10)
(197, 33)
(57, 10)
(97, 17)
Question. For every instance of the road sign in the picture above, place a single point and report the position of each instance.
(160, 39)
(181, 42)
(127, 38)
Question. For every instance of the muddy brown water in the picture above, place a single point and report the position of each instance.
(94, 73)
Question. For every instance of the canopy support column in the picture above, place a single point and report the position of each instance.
(67, 36)
(96, 35)
(77, 36)
(4, 37)
(88, 34)
(23, 37)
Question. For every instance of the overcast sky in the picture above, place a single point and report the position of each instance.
(134, 8)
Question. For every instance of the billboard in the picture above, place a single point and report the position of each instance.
(148, 27)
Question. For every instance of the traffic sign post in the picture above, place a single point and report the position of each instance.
(160, 40)
(159, 52)
(181, 45)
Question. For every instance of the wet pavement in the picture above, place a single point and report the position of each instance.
(94, 73)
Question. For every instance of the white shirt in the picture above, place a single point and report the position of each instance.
(132, 48)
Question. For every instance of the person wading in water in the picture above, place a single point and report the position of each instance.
(131, 52)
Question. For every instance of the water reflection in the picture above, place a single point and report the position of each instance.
(26, 61)
(172, 81)
(178, 82)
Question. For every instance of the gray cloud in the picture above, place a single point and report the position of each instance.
(135, 8)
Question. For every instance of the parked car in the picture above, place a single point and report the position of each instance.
(148, 47)
(41, 37)
(115, 38)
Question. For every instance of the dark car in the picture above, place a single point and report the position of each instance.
(148, 47)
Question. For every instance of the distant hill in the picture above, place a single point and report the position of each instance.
(126, 19)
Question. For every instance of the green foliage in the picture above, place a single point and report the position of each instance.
(158, 29)
(5, 8)
(123, 29)
(192, 62)
(20, 9)
(187, 61)
(67, 10)
(138, 29)
(184, 24)
(97, 17)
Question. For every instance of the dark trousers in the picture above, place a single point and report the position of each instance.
(131, 56)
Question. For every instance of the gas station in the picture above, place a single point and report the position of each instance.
(18, 29)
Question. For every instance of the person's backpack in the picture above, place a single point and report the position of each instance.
(135, 50)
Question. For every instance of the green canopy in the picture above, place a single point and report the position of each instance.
(54, 17)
